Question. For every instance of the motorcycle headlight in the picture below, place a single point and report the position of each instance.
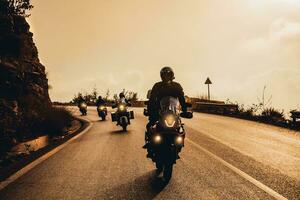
(157, 139)
(83, 105)
(170, 121)
(121, 107)
(179, 140)
(101, 107)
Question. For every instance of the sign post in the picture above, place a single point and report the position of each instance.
(208, 82)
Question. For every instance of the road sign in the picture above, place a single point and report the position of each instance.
(208, 82)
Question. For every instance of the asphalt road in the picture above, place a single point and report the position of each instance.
(106, 163)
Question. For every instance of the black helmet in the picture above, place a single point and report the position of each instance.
(121, 95)
(167, 74)
(100, 97)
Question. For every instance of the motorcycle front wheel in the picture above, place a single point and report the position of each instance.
(168, 169)
(124, 127)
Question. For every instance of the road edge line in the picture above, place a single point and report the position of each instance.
(44, 157)
(244, 175)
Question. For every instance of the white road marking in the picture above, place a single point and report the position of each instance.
(39, 160)
(240, 172)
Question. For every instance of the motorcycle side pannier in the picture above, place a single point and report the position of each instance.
(114, 117)
(131, 114)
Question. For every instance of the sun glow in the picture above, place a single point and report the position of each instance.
(263, 3)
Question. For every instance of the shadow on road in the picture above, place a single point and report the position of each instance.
(101, 120)
(120, 131)
(144, 187)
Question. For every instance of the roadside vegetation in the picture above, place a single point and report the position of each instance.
(44, 120)
(91, 98)
(262, 111)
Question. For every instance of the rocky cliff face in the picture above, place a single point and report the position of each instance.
(23, 82)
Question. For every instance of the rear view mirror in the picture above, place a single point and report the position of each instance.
(187, 115)
(146, 103)
(114, 106)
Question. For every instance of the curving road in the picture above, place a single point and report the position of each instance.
(223, 158)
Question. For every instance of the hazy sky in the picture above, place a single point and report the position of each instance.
(241, 45)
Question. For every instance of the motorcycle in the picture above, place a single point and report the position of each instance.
(83, 108)
(102, 112)
(166, 137)
(122, 116)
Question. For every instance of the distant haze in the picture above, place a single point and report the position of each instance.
(242, 45)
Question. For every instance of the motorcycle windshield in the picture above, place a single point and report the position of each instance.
(168, 104)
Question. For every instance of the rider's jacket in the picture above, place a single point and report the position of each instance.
(123, 100)
(80, 101)
(100, 102)
(163, 89)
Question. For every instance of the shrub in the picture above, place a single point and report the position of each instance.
(31, 123)
(248, 113)
(272, 115)
(42, 118)
(56, 120)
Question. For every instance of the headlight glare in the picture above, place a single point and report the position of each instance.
(179, 140)
(121, 107)
(157, 139)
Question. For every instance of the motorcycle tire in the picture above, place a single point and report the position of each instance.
(159, 168)
(124, 127)
(167, 174)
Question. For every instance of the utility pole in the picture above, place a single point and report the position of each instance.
(208, 82)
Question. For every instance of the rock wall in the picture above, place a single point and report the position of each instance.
(23, 81)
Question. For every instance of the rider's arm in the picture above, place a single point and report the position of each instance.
(152, 101)
(182, 99)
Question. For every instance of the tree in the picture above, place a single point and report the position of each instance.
(131, 96)
(15, 7)
(88, 98)
(75, 100)
(264, 102)
(94, 95)
(107, 95)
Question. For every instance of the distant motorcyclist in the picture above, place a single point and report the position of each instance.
(82, 105)
(101, 108)
(80, 100)
(122, 98)
(122, 115)
(100, 101)
(164, 88)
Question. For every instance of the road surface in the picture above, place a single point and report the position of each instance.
(220, 155)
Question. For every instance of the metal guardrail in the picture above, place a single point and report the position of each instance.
(220, 108)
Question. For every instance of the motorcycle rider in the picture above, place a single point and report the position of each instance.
(100, 101)
(166, 87)
(80, 100)
(122, 98)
